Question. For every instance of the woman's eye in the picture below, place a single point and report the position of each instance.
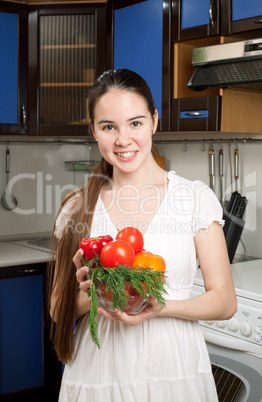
(109, 127)
(135, 124)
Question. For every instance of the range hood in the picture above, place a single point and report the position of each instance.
(229, 64)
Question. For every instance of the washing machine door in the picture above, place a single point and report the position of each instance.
(237, 374)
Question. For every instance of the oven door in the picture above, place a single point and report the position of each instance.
(237, 374)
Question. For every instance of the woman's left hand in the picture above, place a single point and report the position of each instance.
(152, 310)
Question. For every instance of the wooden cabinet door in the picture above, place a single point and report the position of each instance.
(13, 67)
(194, 19)
(241, 16)
(67, 52)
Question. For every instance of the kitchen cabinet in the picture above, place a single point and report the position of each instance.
(192, 20)
(13, 67)
(215, 109)
(67, 51)
(29, 369)
(241, 16)
(142, 44)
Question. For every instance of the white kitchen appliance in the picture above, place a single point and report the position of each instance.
(235, 345)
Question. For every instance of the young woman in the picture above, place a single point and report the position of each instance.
(159, 354)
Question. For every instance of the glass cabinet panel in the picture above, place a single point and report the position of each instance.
(67, 67)
(8, 68)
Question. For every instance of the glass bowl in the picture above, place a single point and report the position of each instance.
(136, 303)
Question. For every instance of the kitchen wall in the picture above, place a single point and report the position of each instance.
(192, 162)
(40, 181)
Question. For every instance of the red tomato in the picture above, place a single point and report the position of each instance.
(115, 253)
(105, 295)
(93, 246)
(134, 298)
(133, 236)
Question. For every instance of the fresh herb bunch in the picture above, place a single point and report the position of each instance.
(145, 281)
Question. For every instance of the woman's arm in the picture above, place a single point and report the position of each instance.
(218, 303)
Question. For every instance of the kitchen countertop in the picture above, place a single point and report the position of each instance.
(13, 253)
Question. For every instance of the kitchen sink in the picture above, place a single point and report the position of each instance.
(43, 243)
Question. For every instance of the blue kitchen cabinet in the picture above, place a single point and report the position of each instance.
(138, 43)
(8, 68)
(241, 16)
(21, 333)
(28, 370)
(204, 18)
(194, 19)
(13, 75)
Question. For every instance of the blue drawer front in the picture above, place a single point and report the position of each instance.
(21, 323)
(8, 68)
(194, 13)
(138, 43)
(242, 9)
(194, 114)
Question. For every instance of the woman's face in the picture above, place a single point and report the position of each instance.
(123, 127)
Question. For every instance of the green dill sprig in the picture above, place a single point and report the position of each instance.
(145, 281)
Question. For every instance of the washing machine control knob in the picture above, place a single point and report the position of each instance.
(221, 324)
(246, 329)
(257, 338)
(233, 325)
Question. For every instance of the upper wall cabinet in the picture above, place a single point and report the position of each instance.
(13, 67)
(142, 44)
(67, 51)
(240, 16)
(193, 19)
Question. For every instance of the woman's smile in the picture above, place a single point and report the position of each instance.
(126, 156)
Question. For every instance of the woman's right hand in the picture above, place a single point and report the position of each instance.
(81, 272)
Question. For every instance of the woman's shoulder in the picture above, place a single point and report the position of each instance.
(175, 179)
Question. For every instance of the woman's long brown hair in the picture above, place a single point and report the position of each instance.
(62, 278)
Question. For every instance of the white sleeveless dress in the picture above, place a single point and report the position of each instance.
(164, 358)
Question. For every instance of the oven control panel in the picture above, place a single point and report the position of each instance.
(246, 324)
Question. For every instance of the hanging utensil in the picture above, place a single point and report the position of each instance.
(212, 168)
(221, 175)
(8, 200)
(236, 167)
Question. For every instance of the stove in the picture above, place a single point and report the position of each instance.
(244, 330)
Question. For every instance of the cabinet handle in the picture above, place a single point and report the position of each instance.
(258, 21)
(194, 114)
(212, 12)
(23, 115)
(28, 271)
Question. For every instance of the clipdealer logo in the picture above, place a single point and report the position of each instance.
(47, 197)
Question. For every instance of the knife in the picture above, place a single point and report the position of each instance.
(236, 167)
(221, 174)
(212, 168)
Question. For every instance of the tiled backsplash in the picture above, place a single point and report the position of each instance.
(40, 181)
